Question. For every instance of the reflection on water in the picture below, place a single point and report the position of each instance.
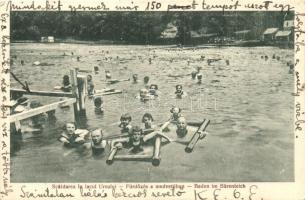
(248, 101)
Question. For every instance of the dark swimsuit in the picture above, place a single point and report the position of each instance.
(181, 133)
(136, 148)
(97, 151)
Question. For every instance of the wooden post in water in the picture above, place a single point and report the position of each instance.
(82, 86)
(73, 74)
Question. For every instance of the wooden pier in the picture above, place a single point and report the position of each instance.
(76, 97)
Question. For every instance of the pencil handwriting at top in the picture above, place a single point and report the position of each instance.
(48, 6)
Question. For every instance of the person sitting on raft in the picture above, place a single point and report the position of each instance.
(66, 85)
(147, 119)
(153, 90)
(179, 92)
(90, 85)
(72, 137)
(125, 123)
(98, 144)
(176, 113)
(98, 105)
(135, 141)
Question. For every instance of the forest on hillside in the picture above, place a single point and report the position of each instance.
(138, 27)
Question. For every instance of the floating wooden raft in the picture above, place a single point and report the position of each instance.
(155, 157)
(198, 135)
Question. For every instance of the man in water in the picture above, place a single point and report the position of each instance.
(181, 127)
(98, 145)
(72, 137)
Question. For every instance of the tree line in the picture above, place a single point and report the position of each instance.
(136, 27)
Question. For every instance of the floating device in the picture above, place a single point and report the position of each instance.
(197, 136)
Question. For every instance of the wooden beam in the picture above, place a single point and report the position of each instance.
(43, 93)
(39, 110)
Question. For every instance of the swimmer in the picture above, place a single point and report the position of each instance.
(149, 60)
(98, 105)
(90, 85)
(176, 113)
(125, 123)
(96, 69)
(135, 141)
(199, 78)
(38, 121)
(181, 127)
(147, 119)
(228, 62)
(146, 79)
(194, 74)
(22, 62)
(273, 56)
(135, 78)
(98, 144)
(107, 74)
(78, 58)
(153, 90)
(66, 84)
(144, 95)
(266, 57)
(291, 68)
(179, 92)
(72, 137)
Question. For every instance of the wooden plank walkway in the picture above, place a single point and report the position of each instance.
(36, 111)
(43, 93)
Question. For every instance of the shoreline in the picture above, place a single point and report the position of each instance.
(248, 43)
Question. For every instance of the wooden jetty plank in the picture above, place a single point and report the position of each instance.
(43, 93)
(39, 110)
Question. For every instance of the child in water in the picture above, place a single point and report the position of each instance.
(66, 85)
(147, 119)
(135, 141)
(176, 113)
(98, 105)
(72, 137)
(107, 74)
(125, 123)
(153, 90)
(135, 78)
(144, 95)
(179, 92)
(90, 85)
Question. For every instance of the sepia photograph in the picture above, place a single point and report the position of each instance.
(152, 97)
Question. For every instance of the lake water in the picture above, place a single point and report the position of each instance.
(249, 103)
